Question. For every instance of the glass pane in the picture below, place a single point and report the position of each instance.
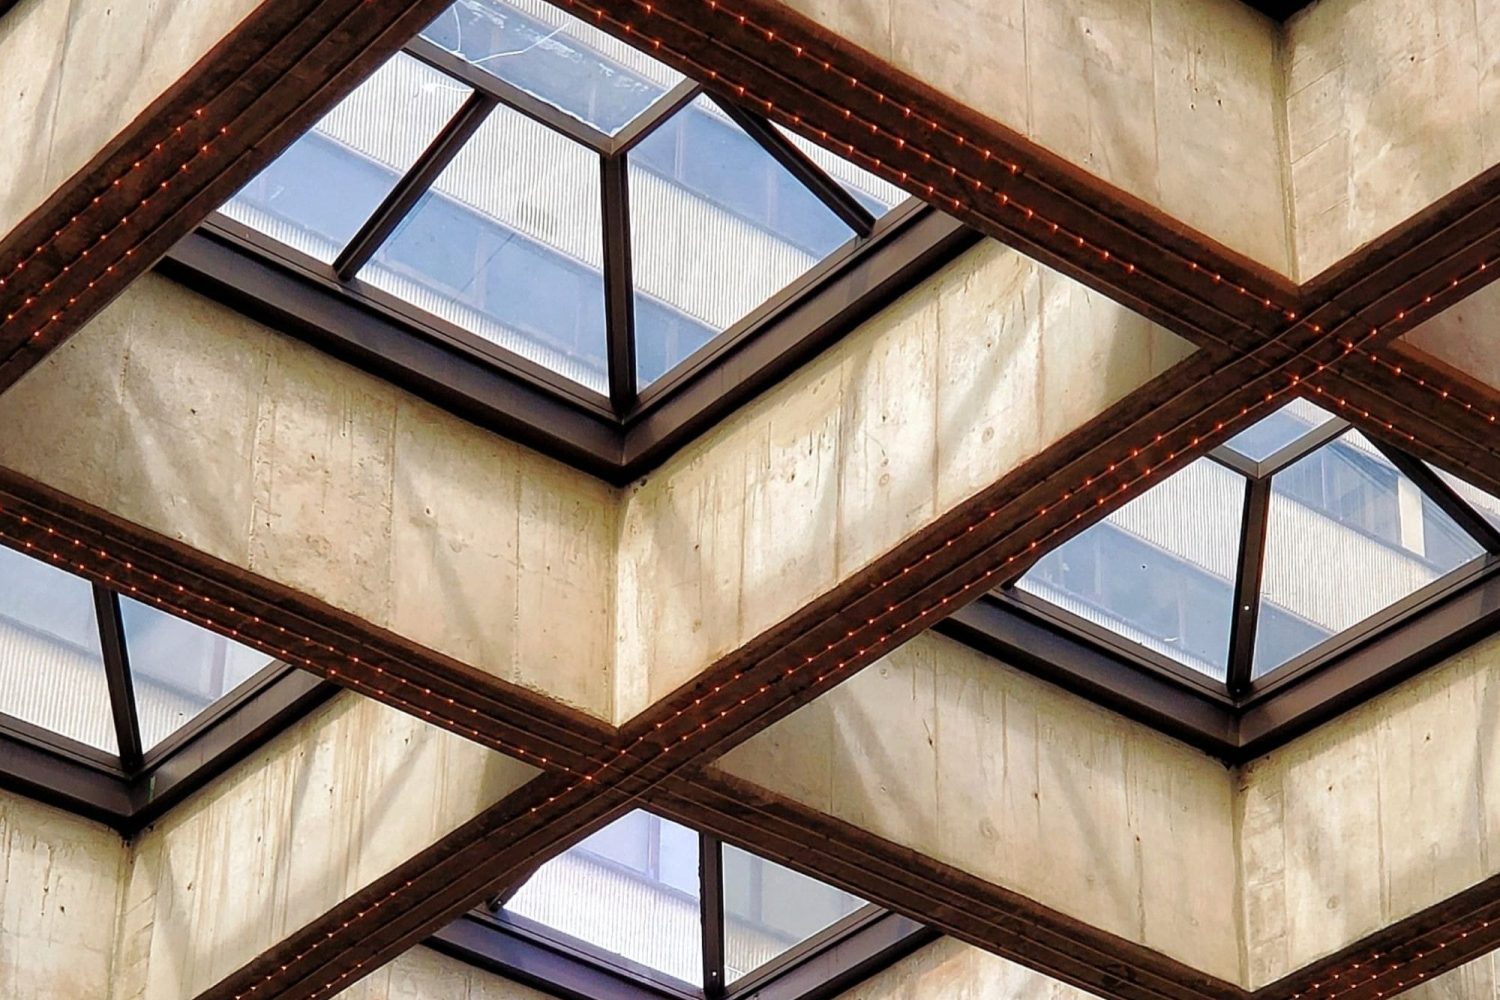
(769, 910)
(717, 227)
(631, 891)
(1159, 571)
(51, 669)
(554, 56)
(508, 245)
(1268, 436)
(315, 196)
(1487, 505)
(877, 195)
(1347, 536)
(178, 669)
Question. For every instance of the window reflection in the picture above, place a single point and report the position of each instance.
(1160, 571)
(553, 56)
(717, 228)
(317, 194)
(1347, 536)
(1286, 426)
(51, 668)
(768, 910)
(631, 891)
(517, 263)
(179, 669)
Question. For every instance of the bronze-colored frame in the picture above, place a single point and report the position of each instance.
(824, 965)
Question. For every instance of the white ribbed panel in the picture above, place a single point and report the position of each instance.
(1194, 514)
(1124, 629)
(1330, 574)
(634, 918)
(55, 685)
(848, 174)
(395, 114)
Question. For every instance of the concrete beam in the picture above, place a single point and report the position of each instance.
(987, 365)
(950, 968)
(193, 422)
(1389, 810)
(77, 75)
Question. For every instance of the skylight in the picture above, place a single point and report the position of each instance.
(83, 667)
(1311, 528)
(638, 896)
(539, 194)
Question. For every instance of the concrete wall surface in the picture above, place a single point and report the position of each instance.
(424, 974)
(944, 750)
(61, 880)
(939, 396)
(75, 73)
(1463, 335)
(319, 813)
(1391, 104)
(191, 420)
(1175, 101)
(953, 970)
(1373, 817)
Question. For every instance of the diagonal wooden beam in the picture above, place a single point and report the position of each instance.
(1411, 951)
(960, 904)
(264, 84)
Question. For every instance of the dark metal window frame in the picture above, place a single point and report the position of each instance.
(61, 772)
(134, 787)
(1246, 717)
(617, 436)
(818, 968)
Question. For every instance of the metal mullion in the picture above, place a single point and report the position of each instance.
(484, 82)
(829, 191)
(1305, 445)
(619, 310)
(117, 676)
(711, 872)
(643, 124)
(1445, 496)
(1247, 586)
(410, 188)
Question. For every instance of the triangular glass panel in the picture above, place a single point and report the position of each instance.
(876, 194)
(51, 668)
(630, 893)
(178, 670)
(1159, 571)
(1487, 505)
(555, 57)
(507, 245)
(717, 228)
(1347, 536)
(315, 196)
(1288, 425)
(770, 910)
